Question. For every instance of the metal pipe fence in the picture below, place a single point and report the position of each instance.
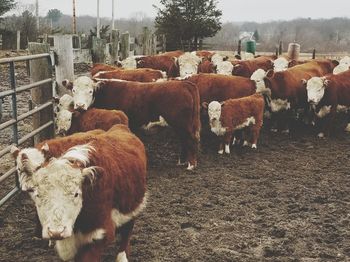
(15, 118)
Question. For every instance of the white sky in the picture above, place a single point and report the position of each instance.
(233, 10)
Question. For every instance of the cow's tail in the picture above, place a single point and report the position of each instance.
(196, 123)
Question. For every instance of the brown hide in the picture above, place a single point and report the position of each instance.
(213, 87)
(205, 54)
(101, 67)
(247, 67)
(140, 74)
(206, 67)
(289, 84)
(95, 118)
(175, 53)
(176, 101)
(159, 62)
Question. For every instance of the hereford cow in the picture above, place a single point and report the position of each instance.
(101, 67)
(341, 68)
(288, 89)
(328, 95)
(69, 122)
(207, 55)
(159, 62)
(176, 101)
(175, 53)
(206, 67)
(93, 188)
(65, 102)
(236, 114)
(188, 64)
(247, 67)
(139, 74)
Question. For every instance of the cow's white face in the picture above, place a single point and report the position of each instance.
(345, 61)
(341, 68)
(315, 90)
(66, 102)
(188, 63)
(63, 121)
(83, 92)
(129, 63)
(224, 68)
(280, 64)
(57, 192)
(258, 78)
(214, 111)
(216, 59)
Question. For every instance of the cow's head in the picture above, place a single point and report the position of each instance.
(280, 64)
(341, 68)
(63, 121)
(83, 91)
(258, 78)
(31, 158)
(57, 191)
(188, 64)
(224, 68)
(214, 110)
(315, 87)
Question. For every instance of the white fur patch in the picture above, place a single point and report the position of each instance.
(279, 104)
(65, 102)
(249, 121)
(188, 63)
(340, 68)
(150, 125)
(254, 146)
(315, 89)
(342, 109)
(224, 68)
(345, 61)
(79, 153)
(68, 248)
(280, 64)
(347, 128)
(64, 120)
(121, 257)
(227, 149)
(221, 151)
(217, 128)
(120, 219)
(217, 58)
(325, 110)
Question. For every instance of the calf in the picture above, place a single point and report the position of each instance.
(94, 188)
(176, 101)
(327, 95)
(72, 122)
(236, 114)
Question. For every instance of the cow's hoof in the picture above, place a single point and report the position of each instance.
(245, 143)
(179, 163)
(227, 149)
(347, 128)
(220, 152)
(254, 146)
(121, 257)
(190, 167)
(320, 135)
(274, 130)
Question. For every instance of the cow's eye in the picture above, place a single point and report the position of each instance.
(73, 91)
(90, 92)
(76, 194)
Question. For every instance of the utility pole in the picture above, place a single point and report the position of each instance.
(37, 13)
(98, 19)
(74, 19)
(113, 15)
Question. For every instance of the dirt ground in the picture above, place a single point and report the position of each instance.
(286, 201)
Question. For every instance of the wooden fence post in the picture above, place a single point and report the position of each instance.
(18, 40)
(314, 54)
(114, 51)
(280, 48)
(146, 41)
(40, 70)
(64, 67)
(98, 50)
(125, 45)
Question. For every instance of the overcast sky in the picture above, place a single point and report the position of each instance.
(233, 10)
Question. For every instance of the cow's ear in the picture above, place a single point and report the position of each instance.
(270, 73)
(222, 103)
(335, 62)
(205, 105)
(14, 151)
(326, 82)
(304, 82)
(45, 149)
(238, 57)
(225, 58)
(67, 84)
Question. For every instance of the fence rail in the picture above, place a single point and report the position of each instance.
(13, 92)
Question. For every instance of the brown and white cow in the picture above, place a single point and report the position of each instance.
(83, 196)
(98, 67)
(159, 62)
(177, 102)
(139, 74)
(288, 88)
(328, 95)
(247, 67)
(69, 122)
(206, 67)
(188, 64)
(236, 114)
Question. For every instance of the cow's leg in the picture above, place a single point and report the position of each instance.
(227, 141)
(254, 135)
(125, 232)
(328, 123)
(192, 151)
(284, 121)
(183, 151)
(221, 148)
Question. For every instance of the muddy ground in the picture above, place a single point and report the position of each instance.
(286, 201)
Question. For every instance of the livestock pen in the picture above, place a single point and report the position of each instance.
(286, 201)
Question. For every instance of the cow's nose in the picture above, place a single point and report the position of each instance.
(79, 106)
(56, 234)
(62, 132)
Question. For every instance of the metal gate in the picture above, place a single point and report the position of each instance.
(15, 118)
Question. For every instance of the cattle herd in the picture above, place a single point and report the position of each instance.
(90, 183)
